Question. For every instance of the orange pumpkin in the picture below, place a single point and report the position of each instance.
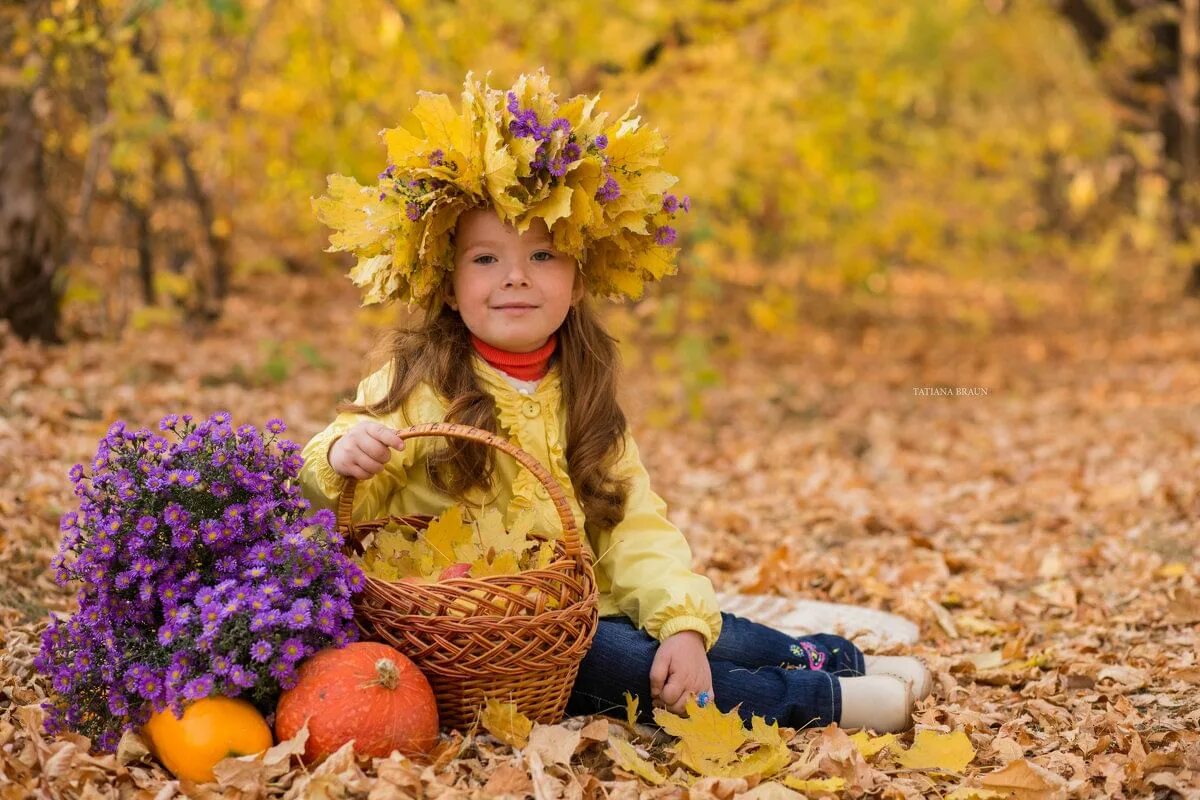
(365, 691)
(210, 730)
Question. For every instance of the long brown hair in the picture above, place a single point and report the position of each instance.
(438, 352)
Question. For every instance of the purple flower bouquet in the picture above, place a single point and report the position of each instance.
(201, 574)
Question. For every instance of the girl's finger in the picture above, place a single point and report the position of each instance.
(674, 693)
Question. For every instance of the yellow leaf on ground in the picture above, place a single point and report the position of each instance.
(816, 785)
(869, 745)
(505, 722)
(710, 742)
(625, 757)
(947, 752)
(631, 710)
(1025, 780)
(708, 738)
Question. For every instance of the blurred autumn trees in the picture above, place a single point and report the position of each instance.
(155, 152)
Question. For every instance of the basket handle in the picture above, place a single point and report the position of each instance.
(345, 504)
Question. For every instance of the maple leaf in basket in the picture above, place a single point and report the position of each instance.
(456, 542)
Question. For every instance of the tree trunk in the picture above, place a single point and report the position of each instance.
(29, 232)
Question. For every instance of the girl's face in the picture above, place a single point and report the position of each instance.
(512, 290)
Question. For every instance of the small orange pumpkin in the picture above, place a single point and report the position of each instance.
(210, 730)
(365, 691)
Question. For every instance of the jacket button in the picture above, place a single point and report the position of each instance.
(531, 408)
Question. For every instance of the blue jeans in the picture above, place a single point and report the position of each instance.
(787, 679)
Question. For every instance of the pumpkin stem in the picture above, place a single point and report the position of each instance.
(389, 676)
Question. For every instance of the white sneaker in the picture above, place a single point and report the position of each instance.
(883, 703)
(906, 668)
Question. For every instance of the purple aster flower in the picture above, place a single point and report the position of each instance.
(382, 196)
(261, 651)
(436, 158)
(242, 677)
(292, 650)
(513, 105)
(412, 211)
(610, 191)
(167, 634)
(75, 473)
(149, 687)
(299, 615)
(282, 670)
(198, 688)
(664, 235)
(686, 204)
(601, 141)
(275, 424)
(670, 203)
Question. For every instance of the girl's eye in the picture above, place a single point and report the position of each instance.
(479, 259)
(548, 255)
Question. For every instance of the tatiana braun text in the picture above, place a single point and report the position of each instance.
(950, 391)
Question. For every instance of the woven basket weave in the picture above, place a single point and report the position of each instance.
(518, 638)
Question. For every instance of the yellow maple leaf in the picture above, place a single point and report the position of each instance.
(503, 564)
(815, 785)
(770, 757)
(625, 757)
(491, 533)
(505, 722)
(391, 555)
(710, 742)
(707, 737)
(869, 745)
(451, 538)
(631, 710)
(944, 752)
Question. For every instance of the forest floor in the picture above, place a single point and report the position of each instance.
(1043, 535)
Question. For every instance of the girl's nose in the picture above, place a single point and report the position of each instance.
(516, 276)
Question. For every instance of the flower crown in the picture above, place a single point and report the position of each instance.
(596, 184)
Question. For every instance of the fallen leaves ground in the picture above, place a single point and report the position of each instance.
(1044, 536)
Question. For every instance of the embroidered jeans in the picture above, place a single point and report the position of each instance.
(784, 678)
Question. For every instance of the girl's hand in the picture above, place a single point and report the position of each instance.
(363, 450)
(680, 670)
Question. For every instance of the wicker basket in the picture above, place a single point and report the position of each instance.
(498, 636)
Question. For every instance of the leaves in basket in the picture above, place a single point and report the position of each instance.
(452, 543)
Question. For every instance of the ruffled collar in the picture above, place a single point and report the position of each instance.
(529, 366)
(507, 397)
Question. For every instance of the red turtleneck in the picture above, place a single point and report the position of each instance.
(529, 366)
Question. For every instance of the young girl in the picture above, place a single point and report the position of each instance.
(502, 221)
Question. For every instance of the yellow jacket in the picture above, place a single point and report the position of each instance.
(643, 568)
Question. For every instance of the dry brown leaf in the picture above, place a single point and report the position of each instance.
(1025, 780)
(554, 743)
